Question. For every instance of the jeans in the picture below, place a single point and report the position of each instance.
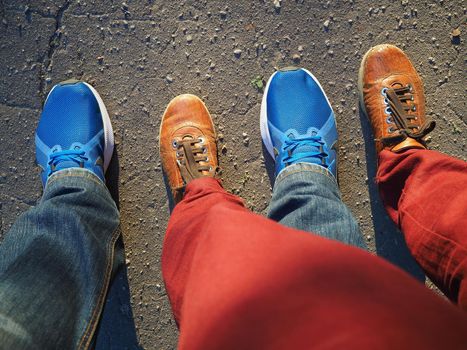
(306, 197)
(56, 263)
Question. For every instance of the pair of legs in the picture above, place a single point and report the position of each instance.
(237, 280)
(251, 283)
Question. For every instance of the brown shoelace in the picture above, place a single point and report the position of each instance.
(191, 152)
(399, 113)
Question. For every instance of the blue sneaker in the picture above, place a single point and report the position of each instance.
(74, 131)
(297, 121)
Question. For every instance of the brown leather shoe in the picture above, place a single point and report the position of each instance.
(391, 94)
(187, 143)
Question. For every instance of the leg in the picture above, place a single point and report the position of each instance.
(55, 265)
(56, 262)
(425, 194)
(240, 281)
(299, 131)
(308, 199)
(423, 191)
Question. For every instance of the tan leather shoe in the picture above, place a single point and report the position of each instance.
(391, 94)
(187, 143)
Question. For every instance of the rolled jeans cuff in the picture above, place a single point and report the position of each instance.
(70, 173)
(305, 167)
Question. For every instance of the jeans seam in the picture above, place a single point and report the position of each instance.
(86, 338)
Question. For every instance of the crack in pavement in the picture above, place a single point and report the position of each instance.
(54, 43)
(19, 106)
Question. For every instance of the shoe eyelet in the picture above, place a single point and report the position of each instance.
(175, 144)
(206, 159)
(387, 110)
(386, 101)
(210, 168)
(77, 148)
(201, 140)
(412, 98)
(414, 108)
(383, 91)
(389, 120)
(205, 149)
(391, 130)
(410, 87)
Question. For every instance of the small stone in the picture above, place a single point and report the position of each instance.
(277, 4)
(244, 134)
(300, 48)
(127, 262)
(456, 33)
(224, 149)
(296, 58)
(237, 52)
(326, 24)
(169, 79)
(189, 39)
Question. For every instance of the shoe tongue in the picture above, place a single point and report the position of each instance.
(187, 137)
(396, 85)
(306, 147)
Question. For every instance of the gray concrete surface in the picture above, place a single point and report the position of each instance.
(140, 54)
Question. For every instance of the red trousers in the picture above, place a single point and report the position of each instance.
(237, 280)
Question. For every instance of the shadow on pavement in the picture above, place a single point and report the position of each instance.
(390, 243)
(116, 328)
(269, 164)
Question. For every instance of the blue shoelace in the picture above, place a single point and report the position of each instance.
(76, 156)
(313, 144)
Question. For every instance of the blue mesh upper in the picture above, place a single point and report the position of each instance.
(71, 114)
(295, 101)
(71, 131)
(297, 108)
